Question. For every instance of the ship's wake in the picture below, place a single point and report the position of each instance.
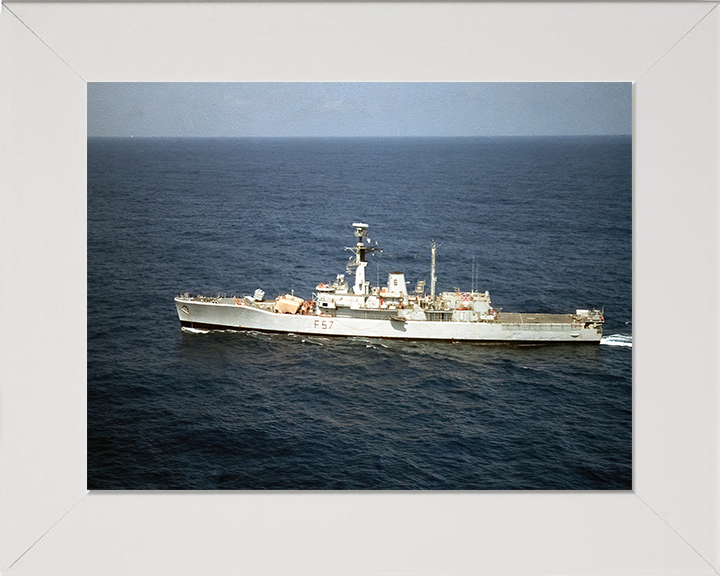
(194, 330)
(617, 340)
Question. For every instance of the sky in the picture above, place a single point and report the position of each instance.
(359, 109)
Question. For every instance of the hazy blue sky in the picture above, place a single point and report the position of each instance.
(358, 109)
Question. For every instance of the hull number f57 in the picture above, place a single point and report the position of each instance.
(324, 324)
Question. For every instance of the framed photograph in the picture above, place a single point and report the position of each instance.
(667, 523)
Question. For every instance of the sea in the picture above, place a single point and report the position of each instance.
(542, 223)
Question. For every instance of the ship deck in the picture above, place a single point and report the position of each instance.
(525, 318)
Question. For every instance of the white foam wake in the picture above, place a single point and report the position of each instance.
(617, 340)
(194, 330)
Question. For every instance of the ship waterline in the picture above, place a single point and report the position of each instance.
(362, 310)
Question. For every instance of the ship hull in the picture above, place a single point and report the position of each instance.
(227, 315)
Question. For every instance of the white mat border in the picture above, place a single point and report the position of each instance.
(664, 496)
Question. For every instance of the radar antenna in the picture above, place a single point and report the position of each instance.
(360, 229)
(360, 249)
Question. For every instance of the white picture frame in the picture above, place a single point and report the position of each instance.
(668, 524)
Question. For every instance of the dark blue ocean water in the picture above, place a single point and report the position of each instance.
(545, 222)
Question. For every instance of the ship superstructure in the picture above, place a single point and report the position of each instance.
(390, 311)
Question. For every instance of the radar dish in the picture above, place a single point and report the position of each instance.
(360, 229)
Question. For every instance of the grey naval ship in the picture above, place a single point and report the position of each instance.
(362, 310)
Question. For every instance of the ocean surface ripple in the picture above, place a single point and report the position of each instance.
(543, 224)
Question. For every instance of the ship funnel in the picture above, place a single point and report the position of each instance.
(396, 283)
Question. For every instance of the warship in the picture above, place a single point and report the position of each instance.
(391, 311)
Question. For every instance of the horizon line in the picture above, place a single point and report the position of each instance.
(358, 136)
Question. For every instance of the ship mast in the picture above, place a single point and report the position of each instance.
(433, 278)
(359, 262)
